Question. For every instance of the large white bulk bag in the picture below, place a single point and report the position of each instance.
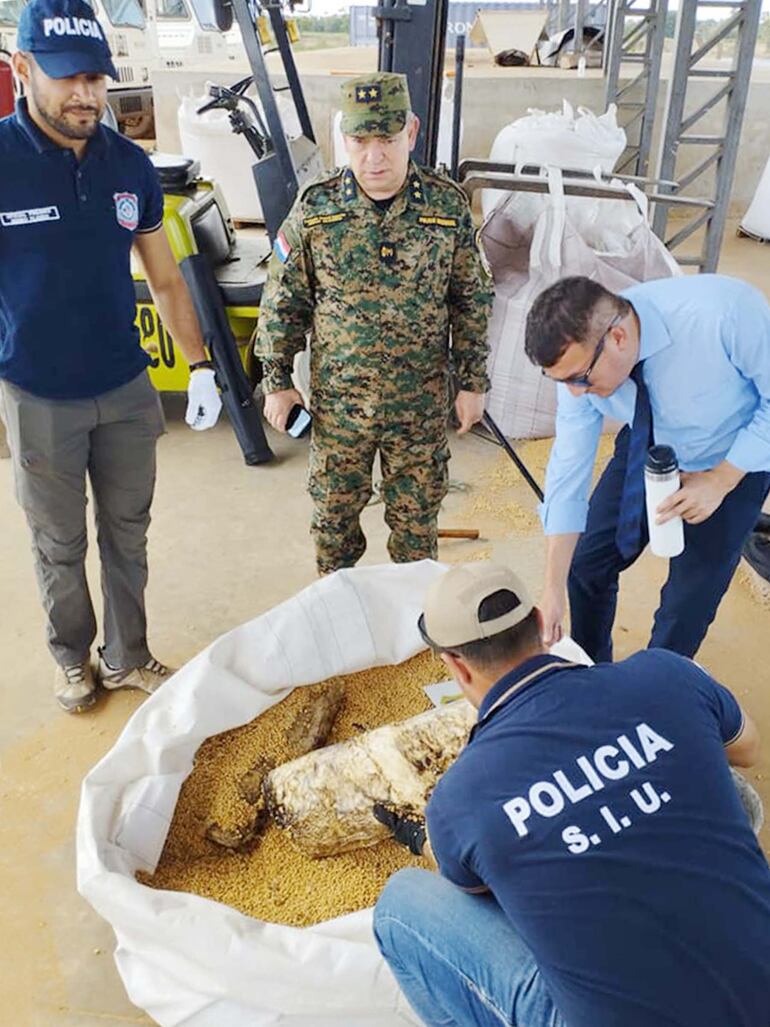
(192, 962)
(610, 241)
(756, 220)
(559, 139)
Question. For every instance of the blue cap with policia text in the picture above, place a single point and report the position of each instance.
(65, 38)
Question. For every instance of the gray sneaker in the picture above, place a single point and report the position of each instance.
(75, 687)
(148, 678)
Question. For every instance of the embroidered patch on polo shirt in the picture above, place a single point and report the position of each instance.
(127, 210)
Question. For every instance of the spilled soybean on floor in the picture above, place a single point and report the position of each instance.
(275, 881)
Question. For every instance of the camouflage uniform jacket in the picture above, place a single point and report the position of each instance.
(379, 290)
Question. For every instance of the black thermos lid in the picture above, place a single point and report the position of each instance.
(661, 460)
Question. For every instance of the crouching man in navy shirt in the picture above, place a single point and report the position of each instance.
(597, 866)
(74, 392)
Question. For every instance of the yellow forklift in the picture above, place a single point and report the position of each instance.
(226, 273)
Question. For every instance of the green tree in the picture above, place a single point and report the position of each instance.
(323, 23)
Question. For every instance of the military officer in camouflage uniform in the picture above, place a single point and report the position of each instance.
(379, 263)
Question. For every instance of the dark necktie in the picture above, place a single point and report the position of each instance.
(628, 535)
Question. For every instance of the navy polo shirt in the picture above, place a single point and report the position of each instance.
(67, 303)
(597, 805)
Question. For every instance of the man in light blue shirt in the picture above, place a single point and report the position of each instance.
(699, 347)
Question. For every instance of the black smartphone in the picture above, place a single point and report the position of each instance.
(298, 422)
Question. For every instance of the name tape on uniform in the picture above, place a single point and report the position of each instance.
(10, 218)
(325, 219)
(435, 219)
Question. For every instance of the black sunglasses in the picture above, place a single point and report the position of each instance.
(585, 377)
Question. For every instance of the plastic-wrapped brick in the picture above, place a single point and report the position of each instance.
(276, 881)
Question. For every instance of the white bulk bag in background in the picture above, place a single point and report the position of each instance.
(756, 220)
(225, 156)
(192, 962)
(610, 241)
(558, 139)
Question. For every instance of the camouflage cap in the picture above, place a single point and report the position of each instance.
(375, 105)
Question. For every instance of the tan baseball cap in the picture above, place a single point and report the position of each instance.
(452, 604)
(375, 104)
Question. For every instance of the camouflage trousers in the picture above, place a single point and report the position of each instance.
(413, 450)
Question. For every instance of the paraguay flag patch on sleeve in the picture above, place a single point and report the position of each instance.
(281, 247)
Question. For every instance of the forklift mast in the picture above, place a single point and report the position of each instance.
(279, 173)
(412, 41)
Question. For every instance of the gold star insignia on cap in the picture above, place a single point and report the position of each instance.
(371, 93)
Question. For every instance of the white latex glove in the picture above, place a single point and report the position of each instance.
(203, 402)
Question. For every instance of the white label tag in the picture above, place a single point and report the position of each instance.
(9, 218)
(443, 692)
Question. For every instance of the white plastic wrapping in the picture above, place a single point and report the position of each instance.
(190, 961)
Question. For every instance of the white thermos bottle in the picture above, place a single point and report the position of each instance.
(661, 479)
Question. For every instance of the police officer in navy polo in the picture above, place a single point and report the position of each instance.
(74, 393)
(598, 866)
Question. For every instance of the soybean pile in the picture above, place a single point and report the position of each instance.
(275, 882)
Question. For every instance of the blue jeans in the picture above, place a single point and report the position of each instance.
(697, 579)
(456, 956)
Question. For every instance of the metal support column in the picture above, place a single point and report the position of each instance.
(457, 110)
(278, 25)
(253, 48)
(635, 37)
(578, 24)
(412, 40)
(711, 173)
(579, 15)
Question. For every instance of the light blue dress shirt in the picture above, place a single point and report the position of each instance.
(705, 343)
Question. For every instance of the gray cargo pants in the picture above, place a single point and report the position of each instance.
(54, 444)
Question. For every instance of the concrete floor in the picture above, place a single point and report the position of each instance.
(228, 542)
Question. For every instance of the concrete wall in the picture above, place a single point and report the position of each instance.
(491, 102)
